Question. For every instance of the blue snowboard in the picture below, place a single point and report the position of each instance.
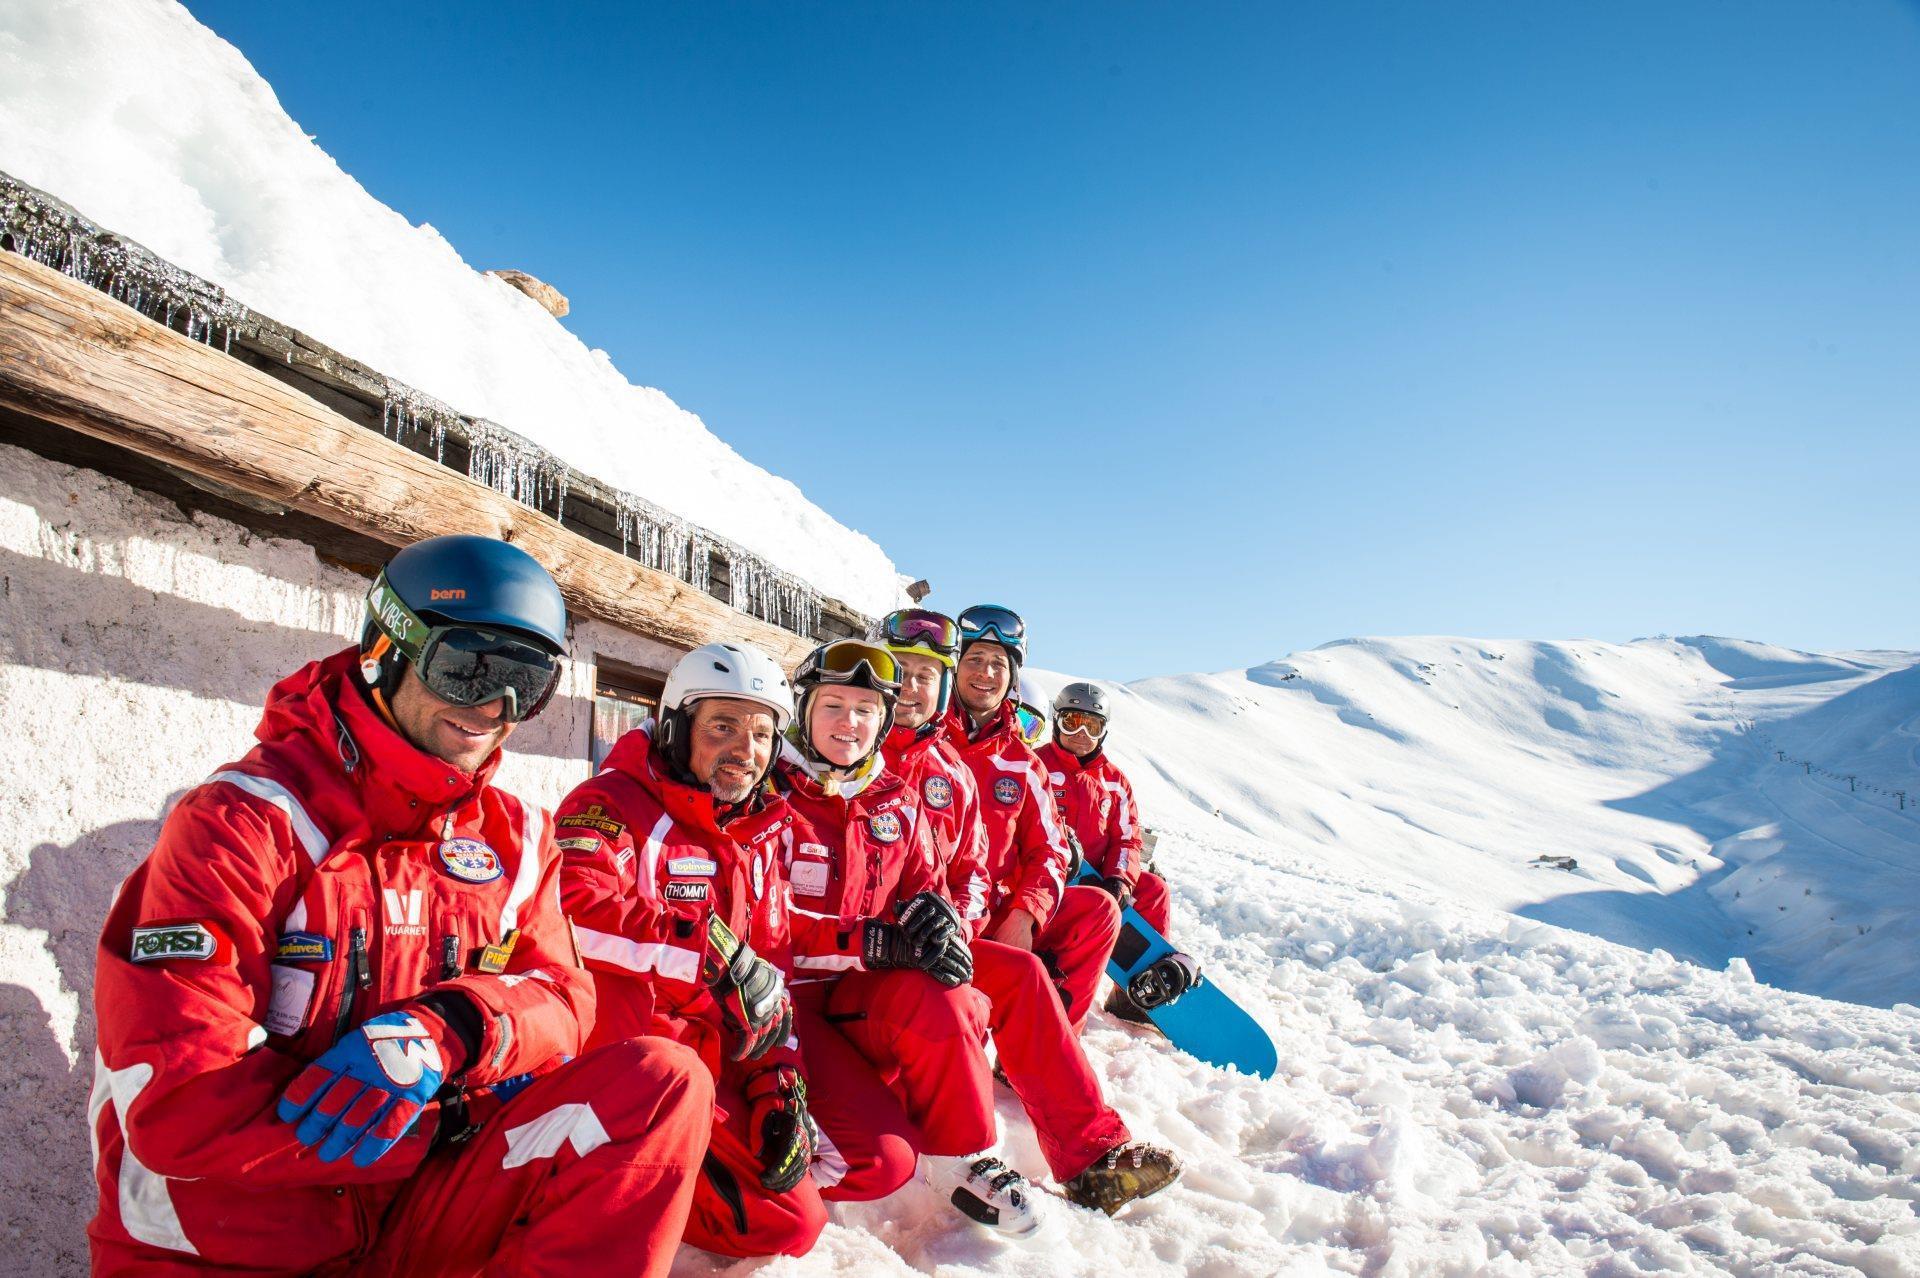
(1203, 1022)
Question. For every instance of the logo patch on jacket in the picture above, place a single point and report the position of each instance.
(594, 818)
(939, 792)
(176, 941)
(1007, 790)
(678, 891)
(692, 865)
(579, 843)
(470, 860)
(885, 826)
(303, 947)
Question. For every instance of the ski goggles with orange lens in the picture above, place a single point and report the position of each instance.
(843, 662)
(1081, 721)
(938, 633)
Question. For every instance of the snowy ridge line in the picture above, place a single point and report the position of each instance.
(44, 229)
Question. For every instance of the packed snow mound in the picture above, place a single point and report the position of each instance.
(151, 125)
(1629, 790)
(1461, 1093)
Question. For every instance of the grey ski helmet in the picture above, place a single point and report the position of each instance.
(1089, 697)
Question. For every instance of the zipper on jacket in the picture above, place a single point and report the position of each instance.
(357, 975)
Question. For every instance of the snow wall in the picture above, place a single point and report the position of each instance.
(137, 644)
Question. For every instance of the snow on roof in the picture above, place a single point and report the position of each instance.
(150, 123)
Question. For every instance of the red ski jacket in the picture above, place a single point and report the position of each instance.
(856, 849)
(950, 810)
(1026, 850)
(645, 859)
(1096, 799)
(334, 873)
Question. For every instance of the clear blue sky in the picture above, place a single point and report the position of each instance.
(1218, 331)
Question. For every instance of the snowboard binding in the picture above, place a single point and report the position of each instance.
(1164, 981)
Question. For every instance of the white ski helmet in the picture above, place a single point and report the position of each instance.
(729, 670)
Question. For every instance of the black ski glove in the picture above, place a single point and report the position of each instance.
(953, 963)
(781, 1129)
(923, 938)
(750, 991)
(1116, 887)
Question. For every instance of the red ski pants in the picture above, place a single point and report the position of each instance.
(929, 1043)
(1075, 946)
(733, 1213)
(1043, 1060)
(868, 1145)
(591, 1168)
(1151, 899)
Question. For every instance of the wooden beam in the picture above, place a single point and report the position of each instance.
(76, 358)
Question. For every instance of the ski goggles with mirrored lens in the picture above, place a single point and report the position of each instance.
(468, 665)
(938, 633)
(841, 662)
(991, 621)
(1080, 721)
(1030, 724)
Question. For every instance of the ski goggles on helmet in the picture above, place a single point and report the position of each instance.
(1001, 625)
(1080, 721)
(1030, 724)
(854, 662)
(923, 630)
(468, 665)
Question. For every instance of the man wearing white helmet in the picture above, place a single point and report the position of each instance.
(672, 876)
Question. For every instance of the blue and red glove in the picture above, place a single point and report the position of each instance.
(366, 1091)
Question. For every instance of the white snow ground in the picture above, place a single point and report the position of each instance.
(1466, 1087)
(153, 126)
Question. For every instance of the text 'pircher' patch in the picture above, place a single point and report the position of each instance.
(175, 941)
(594, 818)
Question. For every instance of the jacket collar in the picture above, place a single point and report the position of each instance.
(635, 757)
(400, 789)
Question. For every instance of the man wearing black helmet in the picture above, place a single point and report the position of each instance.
(337, 1000)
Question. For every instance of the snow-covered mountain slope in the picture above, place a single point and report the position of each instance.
(156, 128)
(1474, 1081)
(1451, 765)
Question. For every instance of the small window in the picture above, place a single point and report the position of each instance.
(623, 699)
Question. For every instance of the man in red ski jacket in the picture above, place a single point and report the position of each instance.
(336, 1002)
(1030, 904)
(1095, 799)
(1086, 1144)
(673, 881)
